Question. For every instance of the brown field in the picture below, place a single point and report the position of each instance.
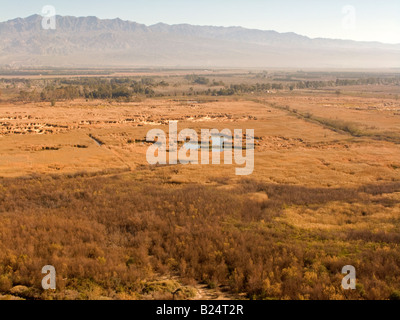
(77, 192)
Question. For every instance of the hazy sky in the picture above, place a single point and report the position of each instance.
(371, 20)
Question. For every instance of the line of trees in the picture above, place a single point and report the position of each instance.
(126, 88)
(120, 89)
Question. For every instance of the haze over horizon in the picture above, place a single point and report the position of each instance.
(204, 25)
(84, 42)
(348, 20)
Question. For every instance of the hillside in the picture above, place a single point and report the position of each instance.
(92, 42)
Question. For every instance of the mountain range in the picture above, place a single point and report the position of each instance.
(93, 42)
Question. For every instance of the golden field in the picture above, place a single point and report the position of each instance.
(77, 192)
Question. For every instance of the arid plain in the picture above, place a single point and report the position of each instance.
(76, 190)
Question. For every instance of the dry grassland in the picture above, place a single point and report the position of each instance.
(76, 192)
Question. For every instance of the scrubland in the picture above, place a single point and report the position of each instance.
(76, 191)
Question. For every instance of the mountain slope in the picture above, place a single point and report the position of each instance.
(92, 42)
